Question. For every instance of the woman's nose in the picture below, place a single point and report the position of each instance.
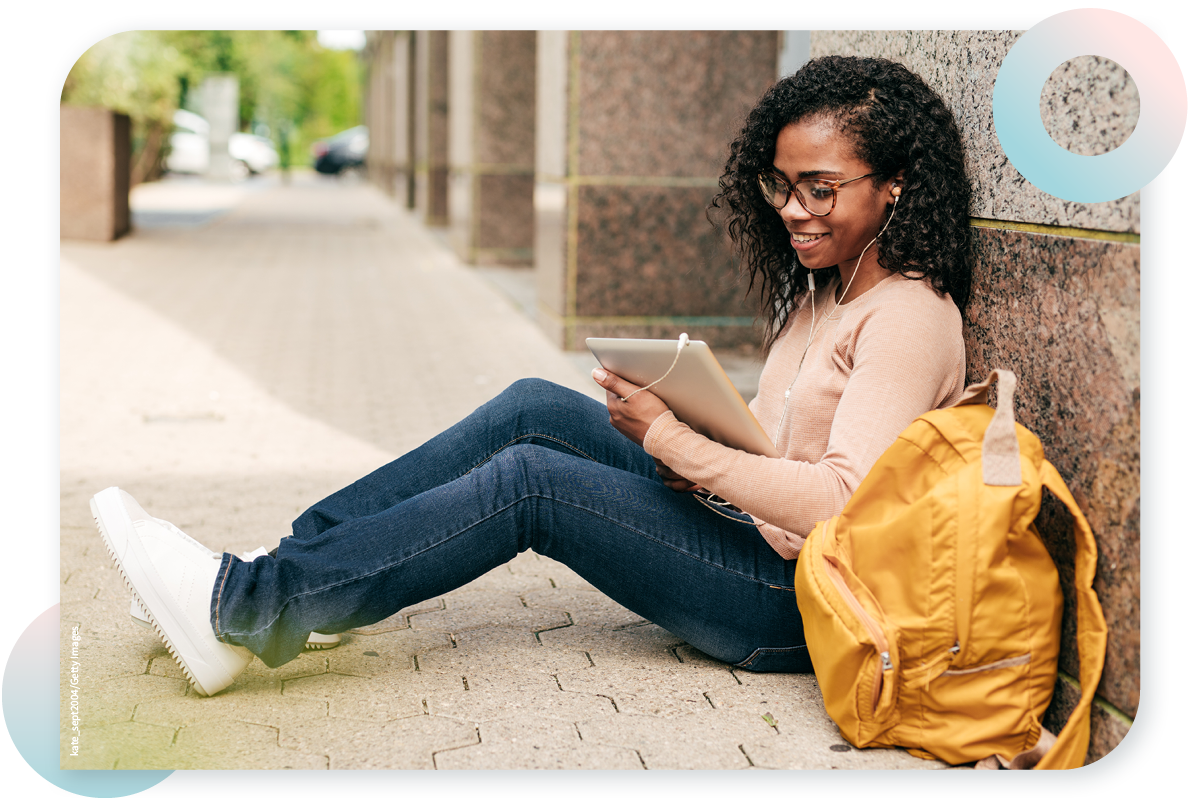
(794, 209)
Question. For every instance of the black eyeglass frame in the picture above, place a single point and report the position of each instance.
(791, 189)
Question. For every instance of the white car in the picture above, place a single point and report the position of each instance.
(249, 154)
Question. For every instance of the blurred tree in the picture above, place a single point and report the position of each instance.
(289, 85)
(137, 74)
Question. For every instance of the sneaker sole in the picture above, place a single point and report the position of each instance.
(320, 645)
(115, 508)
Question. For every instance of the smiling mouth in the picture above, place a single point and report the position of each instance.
(804, 238)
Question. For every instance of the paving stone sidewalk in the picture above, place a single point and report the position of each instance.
(250, 349)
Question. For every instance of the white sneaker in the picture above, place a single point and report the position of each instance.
(316, 641)
(171, 576)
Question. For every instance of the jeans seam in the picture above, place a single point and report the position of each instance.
(485, 519)
(759, 651)
(511, 442)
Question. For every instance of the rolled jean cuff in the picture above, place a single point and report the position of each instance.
(214, 613)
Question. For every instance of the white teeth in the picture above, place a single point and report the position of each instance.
(806, 237)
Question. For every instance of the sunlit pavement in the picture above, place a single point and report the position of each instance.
(253, 347)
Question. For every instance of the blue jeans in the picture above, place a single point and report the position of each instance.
(538, 467)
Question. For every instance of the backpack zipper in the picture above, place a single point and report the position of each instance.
(1015, 661)
(873, 628)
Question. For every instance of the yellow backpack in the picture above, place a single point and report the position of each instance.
(932, 608)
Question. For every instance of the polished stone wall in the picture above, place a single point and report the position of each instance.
(94, 162)
(962, 66)
(633, 129)
(430, 142)
(1056, 300)
(490, 121)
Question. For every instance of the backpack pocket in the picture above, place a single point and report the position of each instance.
(876, 703)
(853, 647)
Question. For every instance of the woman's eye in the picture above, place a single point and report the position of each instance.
(818, 192)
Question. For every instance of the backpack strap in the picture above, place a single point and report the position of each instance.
(976, 393)
(1001, 451)
(1091, 633)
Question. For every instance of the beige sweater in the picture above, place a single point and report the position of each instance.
(876, 364)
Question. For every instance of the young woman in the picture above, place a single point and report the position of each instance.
(846, 194)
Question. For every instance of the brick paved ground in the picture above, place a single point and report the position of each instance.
(281, 342)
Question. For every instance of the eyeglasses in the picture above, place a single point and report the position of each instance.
(817, 195)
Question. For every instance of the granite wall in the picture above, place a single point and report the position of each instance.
(430, 142)
(94, 162)
(491, 145)
(633, 128)
(1056, 301)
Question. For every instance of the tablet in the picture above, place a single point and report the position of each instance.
(697, 390)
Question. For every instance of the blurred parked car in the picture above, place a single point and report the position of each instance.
(341, 151)
(189, 149)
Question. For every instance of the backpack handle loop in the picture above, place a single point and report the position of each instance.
(1001, 451)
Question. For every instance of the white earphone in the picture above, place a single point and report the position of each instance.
(684, 341)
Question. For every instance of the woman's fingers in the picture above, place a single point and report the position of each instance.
(673, 480)
(633, 417)
(614, 384)
(666, 472)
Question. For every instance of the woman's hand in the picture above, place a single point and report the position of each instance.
(631, 418)
(673, 480)
(634, 418)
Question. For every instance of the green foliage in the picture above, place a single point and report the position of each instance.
(287, 82)
(335, 99)
(133, 73)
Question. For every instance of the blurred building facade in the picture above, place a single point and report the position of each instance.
(586, 156)
(590, 157)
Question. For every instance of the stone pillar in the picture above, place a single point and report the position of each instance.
(94, 161)
(94, 173)
(219, 105)
(402, 157)
(1056, 300)
(491, 145)
(430, 143)
(633, 132)
(381, 114)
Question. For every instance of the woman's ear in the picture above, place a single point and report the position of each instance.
(896, 186)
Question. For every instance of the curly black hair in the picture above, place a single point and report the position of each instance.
(898, 124)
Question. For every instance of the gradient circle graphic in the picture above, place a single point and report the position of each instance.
(1017, 97)
(31, 711)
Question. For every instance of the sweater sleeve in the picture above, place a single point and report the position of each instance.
(900, 365)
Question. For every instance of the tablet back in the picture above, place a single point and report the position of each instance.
(697, 390)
